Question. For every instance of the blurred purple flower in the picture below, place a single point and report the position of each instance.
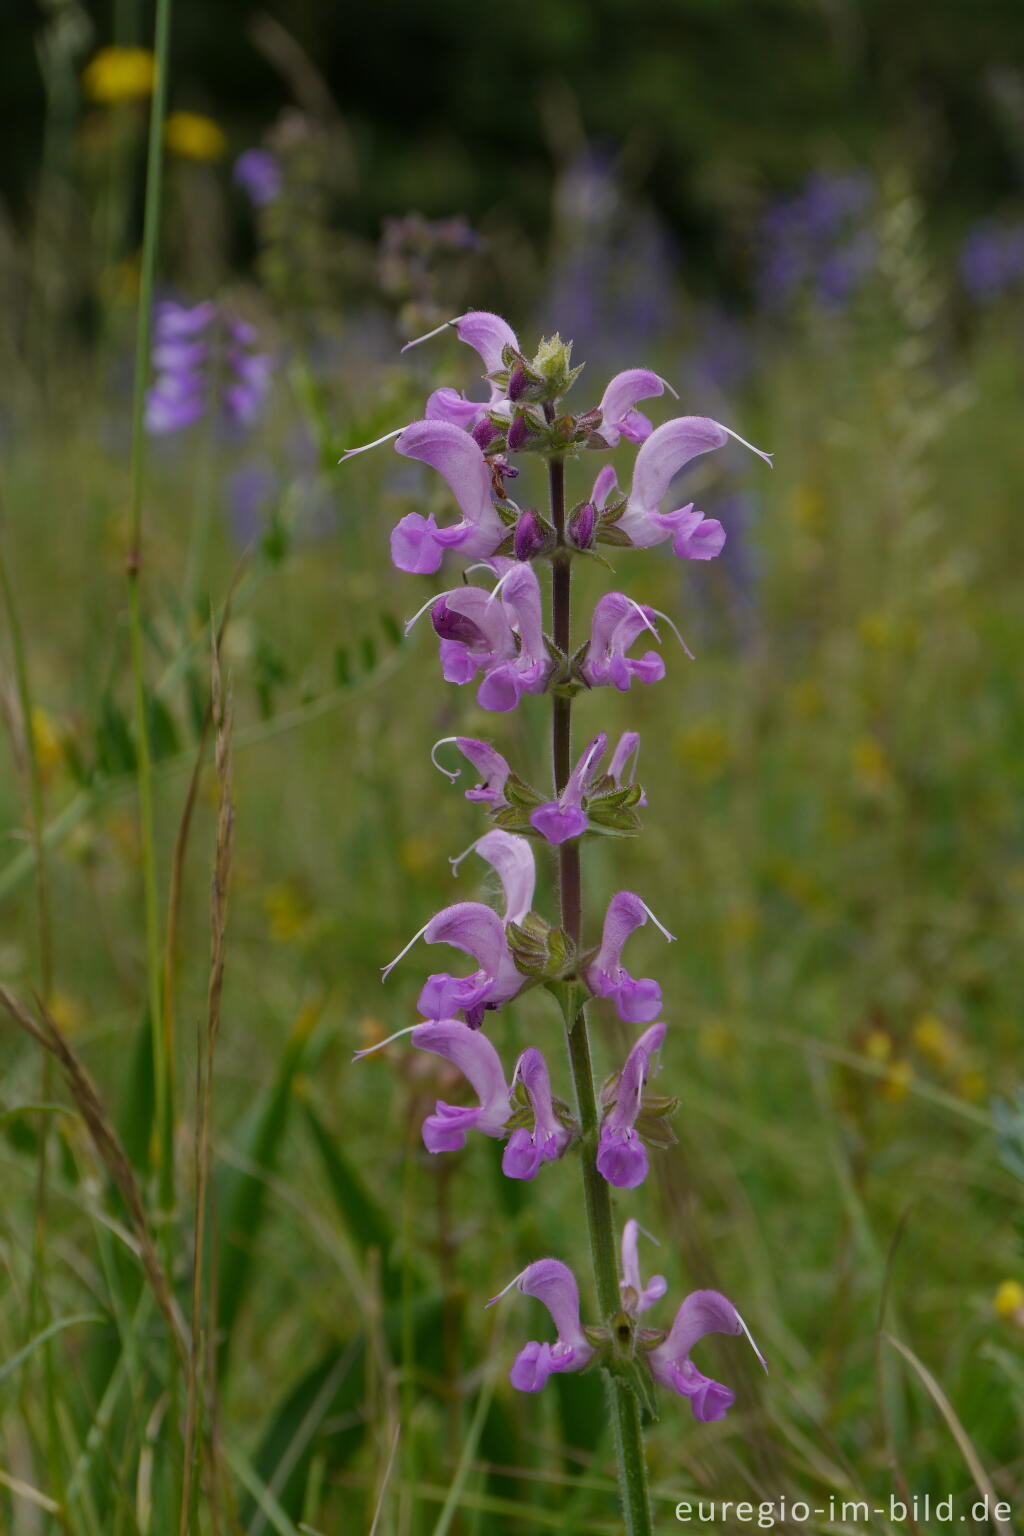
(992, 260)
(818, 242)
(203, 356)
(259, 175)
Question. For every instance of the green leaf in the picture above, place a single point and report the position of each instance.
(241, 1189)
(366, 1223)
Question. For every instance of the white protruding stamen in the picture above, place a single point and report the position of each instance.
(438, 597)
(759, 451)
(674, 630)
(594, 752)
(660, 926)
(515, 1281)
(350, 453)
(675, 395)
(431, 334)
(449, 773)
(646, 621)
(369, 1050)
(463, 855)
(501, 582)
(387, 969)
(750, 1340)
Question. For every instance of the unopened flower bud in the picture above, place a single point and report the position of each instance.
(484, 433)
(452, 625)
(518, 434)
(517, 384)
(581, 525)
(530, 537)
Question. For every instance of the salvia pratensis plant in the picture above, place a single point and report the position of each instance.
(493, 637)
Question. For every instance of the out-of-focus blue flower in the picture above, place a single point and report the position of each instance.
(992, 260)
(259, 175)
(612, 282)
(817, 243)
(203, 356)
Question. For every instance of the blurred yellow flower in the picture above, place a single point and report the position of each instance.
(286, 913)
(194, 137)
(119, 74)
(66, 1012)
(716, 1040)
(1008, 1300)
(896, 1083)
(934, 1039)
(46, 741)
(971, 1086)
(119, 284)
(808, 506)
(417, 854)
(705, 748)
(878, 1045)
(876, 630)
(870, 764)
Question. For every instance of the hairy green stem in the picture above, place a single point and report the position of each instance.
(624, 1409)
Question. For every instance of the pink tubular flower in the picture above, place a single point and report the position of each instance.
(636, 1002)
(479, 932)
(702, 1312)
(618, 621)
(503, 639)
(559, 820)
(488, 335)
(417, 543)
(637, 1297)
(475, 1057)
(665, 452)
(488, 762)
(621, 1155)
(619, 418)
(478, 1061)
(554, 1284)
(545, 1143)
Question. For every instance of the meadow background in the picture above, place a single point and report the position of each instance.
(811, 220)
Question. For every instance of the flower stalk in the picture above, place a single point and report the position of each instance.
(623, 1406)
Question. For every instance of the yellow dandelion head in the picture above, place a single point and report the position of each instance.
(119, 74)
(194, 137)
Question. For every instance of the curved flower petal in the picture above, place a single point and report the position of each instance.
(554, 1284)
(513, 859)
(478, 931)
(449, 404)
(637, 1002)
(618, 400)
(473, 1054)
(487, 334)
(455, 456)
(637, 1297)
(701, 1313)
